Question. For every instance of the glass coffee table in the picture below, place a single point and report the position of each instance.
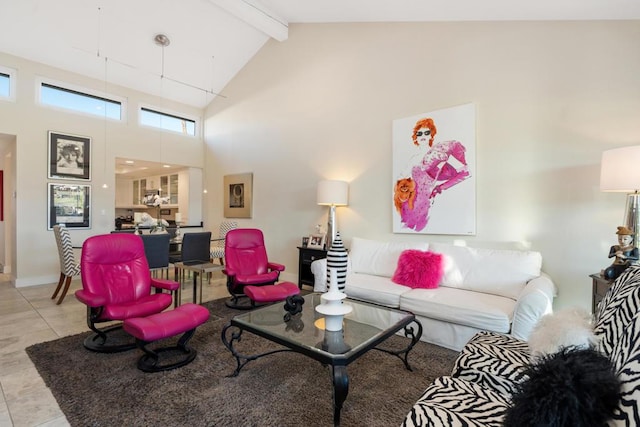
(367, 326)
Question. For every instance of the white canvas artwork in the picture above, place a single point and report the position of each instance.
(434, 176)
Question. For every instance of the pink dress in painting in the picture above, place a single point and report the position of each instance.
(432, 176)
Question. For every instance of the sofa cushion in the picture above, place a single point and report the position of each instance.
(418, 269)
(376, 289)
(379, 258)
(493, 360)
(475, 309)
(498, 272)
(455, 402)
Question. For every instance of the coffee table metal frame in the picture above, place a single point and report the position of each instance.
(268, 322)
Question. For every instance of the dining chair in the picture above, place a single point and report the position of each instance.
(217, 246)
(69, 267)
(156, 248)
(196, 258)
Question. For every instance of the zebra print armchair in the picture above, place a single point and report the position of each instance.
(491, 365)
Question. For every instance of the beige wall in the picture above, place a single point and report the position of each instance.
(36, 257)
(550, 97)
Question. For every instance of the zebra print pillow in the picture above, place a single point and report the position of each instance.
(627, 275)
(626, 360)
(617, 309)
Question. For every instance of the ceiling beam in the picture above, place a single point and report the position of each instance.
(256, 15)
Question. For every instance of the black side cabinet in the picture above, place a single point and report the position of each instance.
(599, 288)
(306, 257)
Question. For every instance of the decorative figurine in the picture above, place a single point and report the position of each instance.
(293, 306)
(625, 253)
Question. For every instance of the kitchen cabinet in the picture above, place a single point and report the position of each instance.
(129, 193)
(184, 189)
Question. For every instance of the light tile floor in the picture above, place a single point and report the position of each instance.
(29, 316)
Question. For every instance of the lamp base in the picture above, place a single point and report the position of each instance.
(331, 227)
(632, 216)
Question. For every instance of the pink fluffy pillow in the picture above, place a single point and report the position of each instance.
(419, 269)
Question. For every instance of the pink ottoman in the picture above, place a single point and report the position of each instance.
(181, 320)
(271, 293)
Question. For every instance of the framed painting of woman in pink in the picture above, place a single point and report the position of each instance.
(434, 177)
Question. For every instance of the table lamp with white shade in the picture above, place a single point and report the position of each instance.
(332, 193)
(620, 173)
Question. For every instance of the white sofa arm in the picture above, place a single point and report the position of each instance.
(534, 301)
(319, 270)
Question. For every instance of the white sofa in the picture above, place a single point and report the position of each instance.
(482, 289)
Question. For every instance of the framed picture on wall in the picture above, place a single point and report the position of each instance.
(69, 156)
(70, 205)
(434, 173)
(238, 195)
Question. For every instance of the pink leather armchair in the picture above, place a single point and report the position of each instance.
(247, 264)
(116, 285)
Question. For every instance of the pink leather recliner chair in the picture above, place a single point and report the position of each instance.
(246, 263)
(116, 285)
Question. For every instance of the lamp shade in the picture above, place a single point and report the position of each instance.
(620, 169)
(333, 193)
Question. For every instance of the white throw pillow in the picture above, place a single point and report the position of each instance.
(492, 271)
(379, 258)
(569, 327)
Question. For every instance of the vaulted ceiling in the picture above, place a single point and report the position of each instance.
(211, 40)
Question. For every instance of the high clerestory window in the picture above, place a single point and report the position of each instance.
(75, 99)
(166, 121)
(7, 83)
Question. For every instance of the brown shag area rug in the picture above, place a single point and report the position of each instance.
(283, 389)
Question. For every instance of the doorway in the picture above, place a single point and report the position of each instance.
(7, 204)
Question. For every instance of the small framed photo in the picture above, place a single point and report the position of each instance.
(305, 242)
(69, 156)
(316, 241)
(70, 205)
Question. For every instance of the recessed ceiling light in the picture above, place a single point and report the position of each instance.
(130, 162)
(166, 166)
